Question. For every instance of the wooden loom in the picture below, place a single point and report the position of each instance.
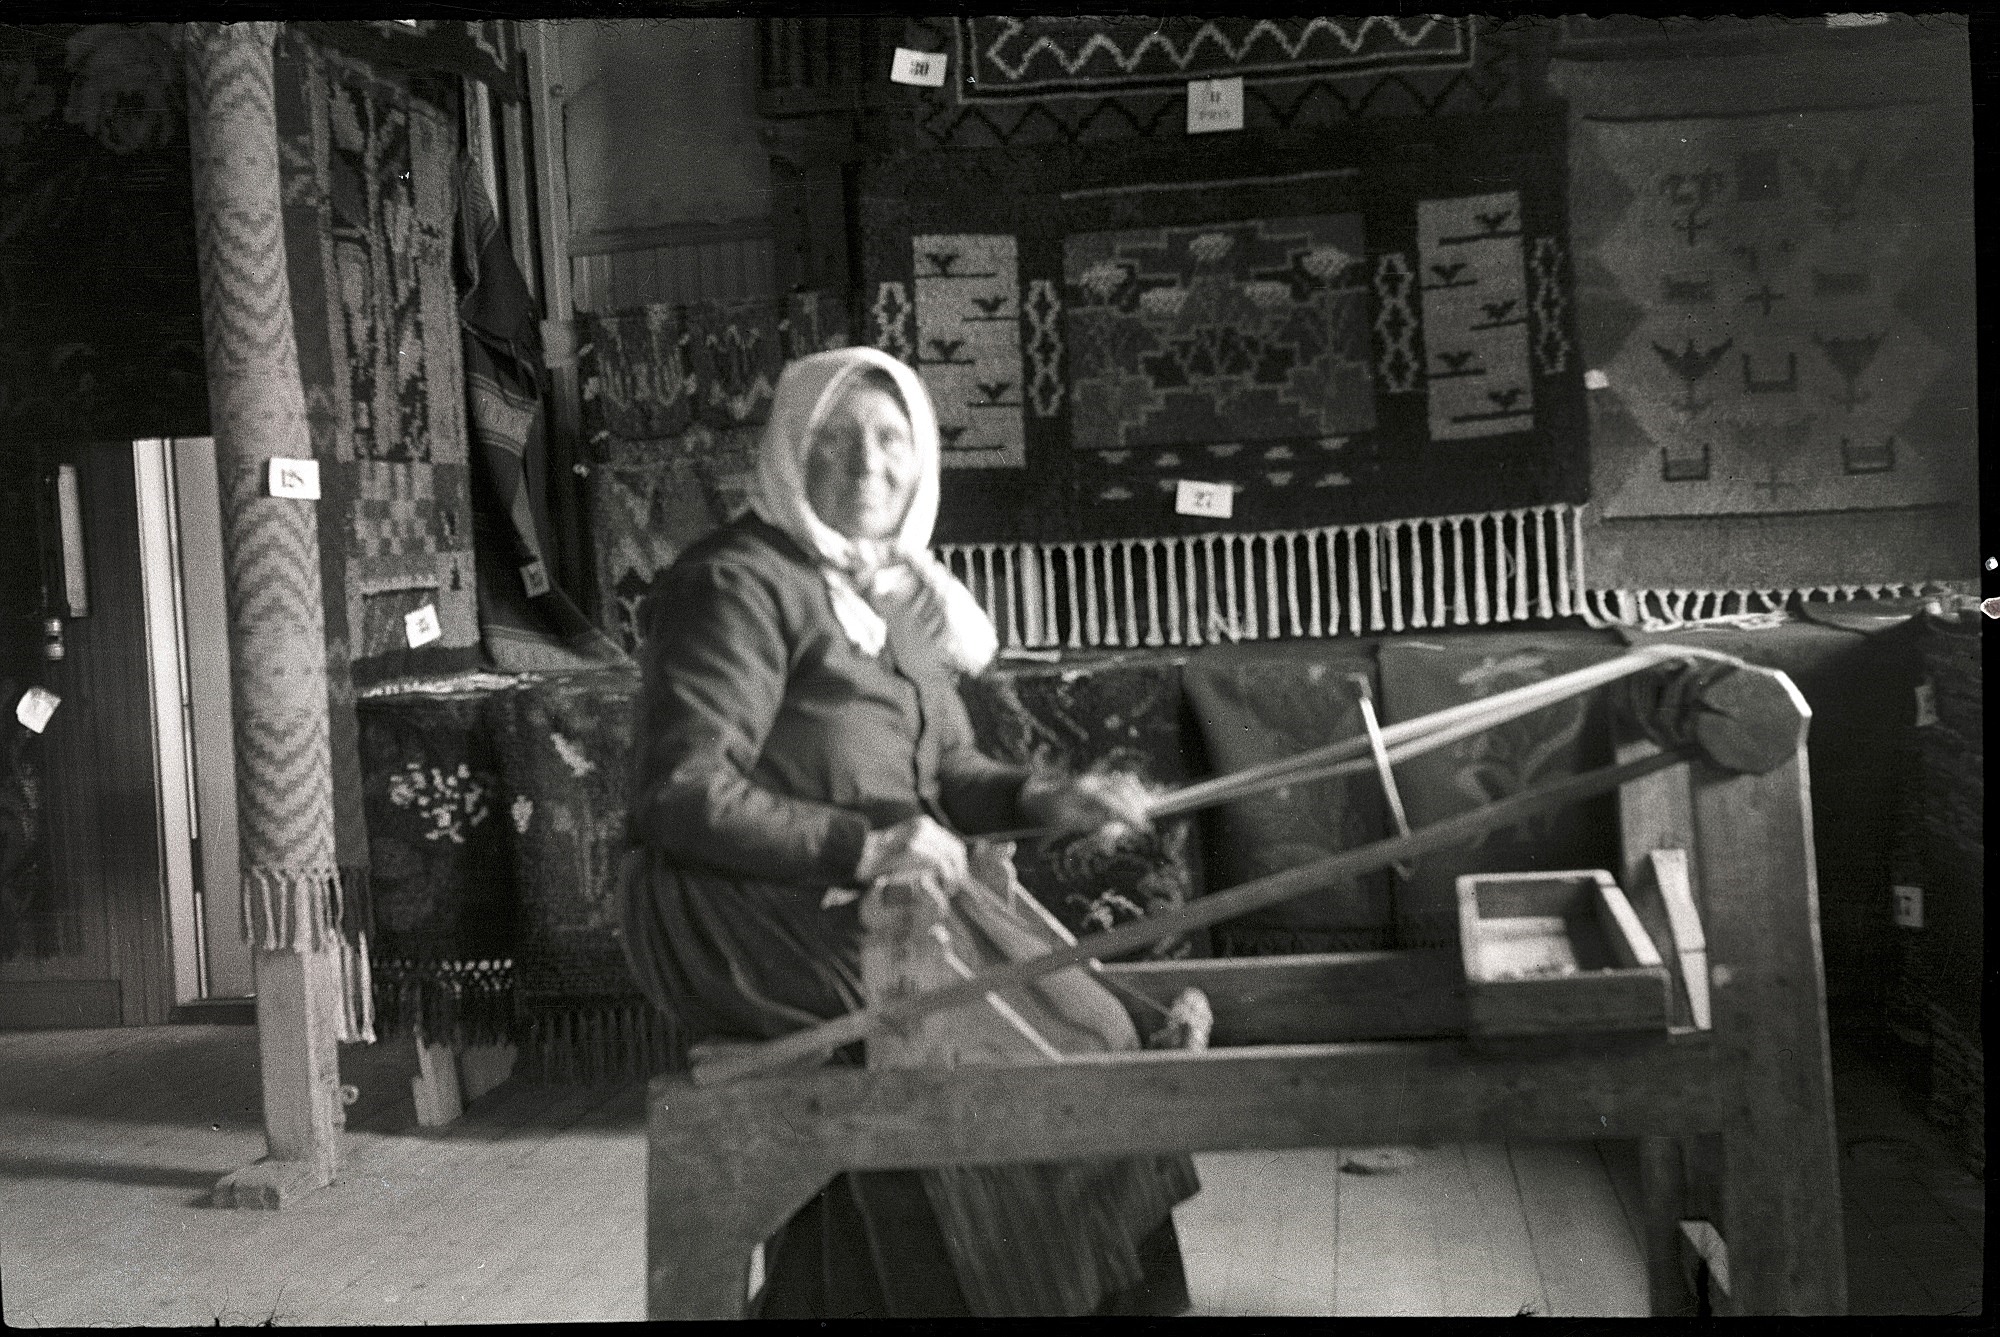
(1727, 1089)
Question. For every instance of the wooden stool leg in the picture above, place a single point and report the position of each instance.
(716, 1188)
(1663, 1193)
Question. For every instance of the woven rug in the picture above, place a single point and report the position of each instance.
(565, 745)
(444, 866)
(1783, 308)
(1105, 715)
(369, 165)
(674, 401)
(1018, 81)
(1365, 338)
(1258, 704)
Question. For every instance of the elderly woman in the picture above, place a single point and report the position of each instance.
(802, 735)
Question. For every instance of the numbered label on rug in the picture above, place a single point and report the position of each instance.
(1215, 104)
(925, 69)
(421, 627)
(35, 707)
(1214, 500)
(535, 577)
(297, 479)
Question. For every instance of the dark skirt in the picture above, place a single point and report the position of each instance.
(740, 960)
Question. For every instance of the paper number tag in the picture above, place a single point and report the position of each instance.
(922, 68)
(421, 627)
(35, 707)
(298, 479)
(535, 577)
(1215, 104)
(1215, 500)
(1594, 379)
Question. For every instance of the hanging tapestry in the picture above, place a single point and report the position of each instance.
(1369, 326)
(674, 400)
(482, 49)
(565, 745)
(443, 871)
(527, 622)
(1016, 81)
(1364, 341)
(654, 371)
(369, 172)
(1781, 305)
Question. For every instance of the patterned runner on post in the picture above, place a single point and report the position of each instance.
(284, 786)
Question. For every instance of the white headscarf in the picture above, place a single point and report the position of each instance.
(806, 391)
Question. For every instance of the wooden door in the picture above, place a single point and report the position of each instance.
(94, 949)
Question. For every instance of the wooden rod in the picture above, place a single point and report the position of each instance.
(1265, 891)
(1411, 738)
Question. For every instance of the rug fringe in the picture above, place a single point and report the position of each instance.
(1190, 590)
(1655, 610)
(596, 1041)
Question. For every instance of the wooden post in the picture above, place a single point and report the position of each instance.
(1770, 1182)
(277, 630)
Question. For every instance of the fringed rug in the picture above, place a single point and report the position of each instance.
(1350, 330)
(1020, 81)
(565, 746)
(444, 868)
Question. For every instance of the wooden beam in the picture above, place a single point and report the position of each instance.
(727, 1165)
(1320, 999)
(1211, 909)
(1780, 1181)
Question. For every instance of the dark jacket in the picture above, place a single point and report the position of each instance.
(770, 745)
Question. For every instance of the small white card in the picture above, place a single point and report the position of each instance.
(421, 627)
(1215, 500)
(1926, 704)
(1596, 380)
(1215, 104)
(925, 69)
(35, 707)
(298, 479)
(535, 577)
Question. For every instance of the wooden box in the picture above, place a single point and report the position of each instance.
(1552, 953)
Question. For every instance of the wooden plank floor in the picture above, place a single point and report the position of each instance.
(530, 1207)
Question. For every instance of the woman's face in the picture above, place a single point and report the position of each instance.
(861, 464)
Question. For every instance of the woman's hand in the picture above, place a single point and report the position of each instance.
(917, 849)
(1086, 802)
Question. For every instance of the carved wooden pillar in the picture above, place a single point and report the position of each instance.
(284, 783)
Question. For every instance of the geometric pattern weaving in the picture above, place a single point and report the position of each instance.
(1197, 335)
(1787, 336)
(370, 193)
(1071, 80)
(1340, 328)
(1475, 315)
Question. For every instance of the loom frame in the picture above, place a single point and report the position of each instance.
(1738, 1155)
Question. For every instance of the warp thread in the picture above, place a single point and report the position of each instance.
(1215, 587)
